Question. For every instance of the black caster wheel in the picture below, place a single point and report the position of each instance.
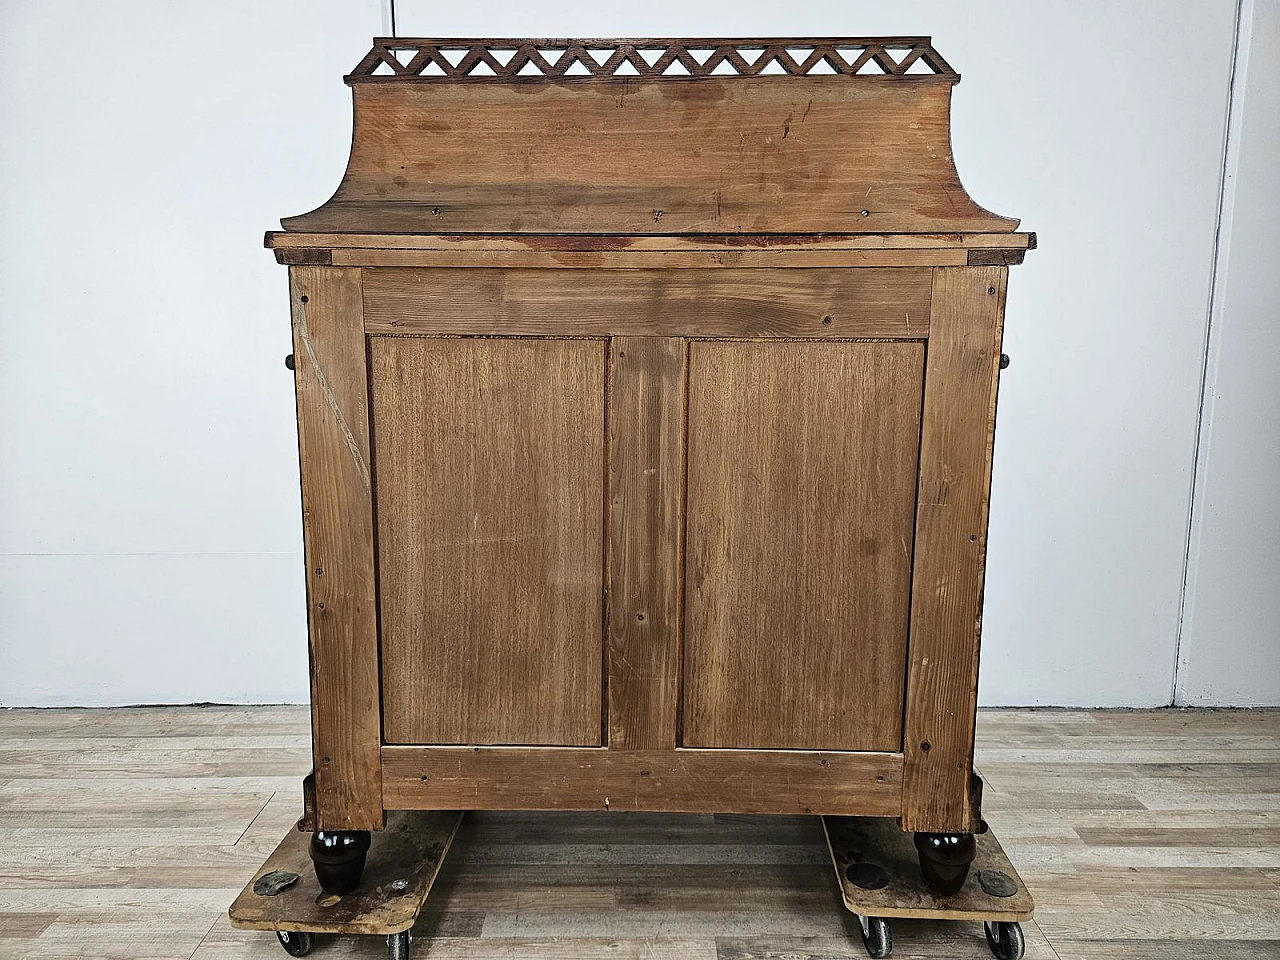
(338, 856)
(944, 860)
(398, 945)
(296, 944)
(876, 936)
(1005, 940)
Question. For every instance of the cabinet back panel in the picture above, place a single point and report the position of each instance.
(489, 492)
(801, 506)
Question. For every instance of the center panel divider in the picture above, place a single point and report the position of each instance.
(645, 451)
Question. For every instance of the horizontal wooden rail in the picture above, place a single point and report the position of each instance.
(281, 239)
(818, 303)
(586, 778)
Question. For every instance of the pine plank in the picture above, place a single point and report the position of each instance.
(643, 565)
(957, 435)
(490, 539)
(812, 303)
(724, 155)
(337, 527)
(799, 555)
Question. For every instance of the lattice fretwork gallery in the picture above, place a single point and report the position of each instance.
(400, 59)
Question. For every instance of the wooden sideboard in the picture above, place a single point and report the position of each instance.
(646, 399)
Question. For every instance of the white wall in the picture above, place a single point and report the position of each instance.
(1231, 632)
(149, 525)
(149, 511)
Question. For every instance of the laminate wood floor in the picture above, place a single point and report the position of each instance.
(1142, 834)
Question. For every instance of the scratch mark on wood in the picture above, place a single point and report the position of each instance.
(304, 336)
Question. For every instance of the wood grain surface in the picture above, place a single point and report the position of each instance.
(722, 155)
(646, 507)
(820, 303)
(132, 830)
(791, 243)
(801, 499)
(647, 259)
(956, 442)
(337, 525)
(551, 778)
(490, 488)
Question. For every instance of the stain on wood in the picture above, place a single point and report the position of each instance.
(304, 256)
(994, 258)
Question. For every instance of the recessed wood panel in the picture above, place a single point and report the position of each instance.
(801, 504)
(489, 492)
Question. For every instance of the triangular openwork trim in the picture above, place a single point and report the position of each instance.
(395, 59)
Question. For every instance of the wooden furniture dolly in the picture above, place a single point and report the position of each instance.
(875, 866)
(403, 862)
(646, 400)
(874, 863)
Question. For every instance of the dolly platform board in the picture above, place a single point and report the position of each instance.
(403, 861)
(876, 867)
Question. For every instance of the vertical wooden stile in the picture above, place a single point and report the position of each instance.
(646, 476)
(958, 432)
(337, 519)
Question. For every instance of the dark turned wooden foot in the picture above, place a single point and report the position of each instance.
(338, 856)
(944, 860)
